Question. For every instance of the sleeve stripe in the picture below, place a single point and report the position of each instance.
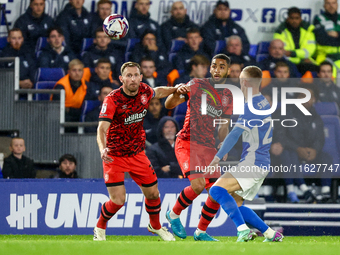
(105, 119)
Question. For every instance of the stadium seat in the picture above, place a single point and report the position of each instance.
(219, 46)
(253, 50)
(44, 85)
(87, 43)
(261, 57)
(49, 74)
(3, 42)
(88, 106)
(179, 113)
(327, 108)
(263, 48)
(41, 43)
(172, 56)
(131, 44)
(176, 45)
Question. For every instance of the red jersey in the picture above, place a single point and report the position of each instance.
(126, 136)
(198, 127)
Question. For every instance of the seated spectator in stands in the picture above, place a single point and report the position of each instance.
(104, 9)
(34, 23)
(75, 88)
(67, 166)
(220, 26)
(140, 22)
(197, 68)
(94, 114)
(235, 53)
(326, 32)
(193, 46)
(17, 165)
(281, 80)
(276, 54)
(15, 48)
(234, 73)
(75, 23)
(148, 47)
(148, 69)
(55, 55)
(328, 91)
(162, 154)
(100, 78)
(102, 49)
(152, 119)
(303, 144)
(299, 40)
(176, 27)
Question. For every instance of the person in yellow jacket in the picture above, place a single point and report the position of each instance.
(299, 40)
(74, 84)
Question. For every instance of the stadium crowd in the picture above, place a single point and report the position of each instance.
(175, 52)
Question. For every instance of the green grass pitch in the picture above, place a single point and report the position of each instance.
(74, 245)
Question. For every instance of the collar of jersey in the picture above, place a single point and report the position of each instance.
(126, 95)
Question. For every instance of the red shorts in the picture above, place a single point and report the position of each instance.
(138, 166)
(193, 162)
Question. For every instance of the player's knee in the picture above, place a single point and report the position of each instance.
(152, 195)
(198, 185)
(118, 199)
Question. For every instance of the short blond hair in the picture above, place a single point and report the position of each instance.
(129, 64)
(75, 62)
(254, 73)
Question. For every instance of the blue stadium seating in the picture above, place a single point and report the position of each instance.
(263, 48)
(327, 108)
(44, 85)
(176, 45)
(219, 46)
(87, 43)
(49, 74)
(260, 57)
(179, 113)
(41, 43)
(3, 42)
(253, 50)
(88, 105)
(129, 48)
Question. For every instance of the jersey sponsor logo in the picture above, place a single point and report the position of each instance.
(104, 107)
(134, 118)
(213, 112)
(144, 99)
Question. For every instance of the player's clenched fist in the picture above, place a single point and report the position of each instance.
(182, 88)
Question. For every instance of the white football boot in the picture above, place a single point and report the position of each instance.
(99, 234)
(162, 232)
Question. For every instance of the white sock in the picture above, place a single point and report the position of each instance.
(173, 215)
(290, 188)
(242, 227)
(198, 231)
(269, 233)
(303, 188)
(325, 189)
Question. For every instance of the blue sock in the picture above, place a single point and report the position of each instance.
(221, 196)
(252, 218)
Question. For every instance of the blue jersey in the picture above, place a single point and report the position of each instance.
(257, 134)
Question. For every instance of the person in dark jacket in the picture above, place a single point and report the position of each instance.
(102, 49)
(17, 165)
(220, 26)
(67, 166)
(162, 154)
(150, 75)
(34, 23)
(16, 48)
(76, 25)
(176, 27)
(104, 9)
(55, 55)
(192, 47)
(303, 144)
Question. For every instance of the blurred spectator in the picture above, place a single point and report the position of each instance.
(152, 119)
(94, 114)
(15, 48)
(34, 23)
(75, 90)
(193, 46)
(55, 55)
(303, 144)
(234, 73)
(17, 165)
(235, 53)
(299, 40)
(326, 31)
(162, 154)
(148, 47)
(197, 68)
(102, 49)
(148, 69)
(220, 26)
(276, 54)
(104, 9)
(100, 78)
(176, 27)
(75, 23)
(328, 91)
(140, 22)
(67, 166)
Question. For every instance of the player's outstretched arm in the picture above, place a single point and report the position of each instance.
(101, 140)
(163, 91)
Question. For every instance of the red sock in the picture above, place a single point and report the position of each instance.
(108, 210)
(184, 200)
(153, 207)
(209, 211)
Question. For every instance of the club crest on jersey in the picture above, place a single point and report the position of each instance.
(144, 99)
(106, 177)
(104, 107)
(225, 101)
(186, 165)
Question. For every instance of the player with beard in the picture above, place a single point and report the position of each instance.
(121, 142)
(195, 143)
